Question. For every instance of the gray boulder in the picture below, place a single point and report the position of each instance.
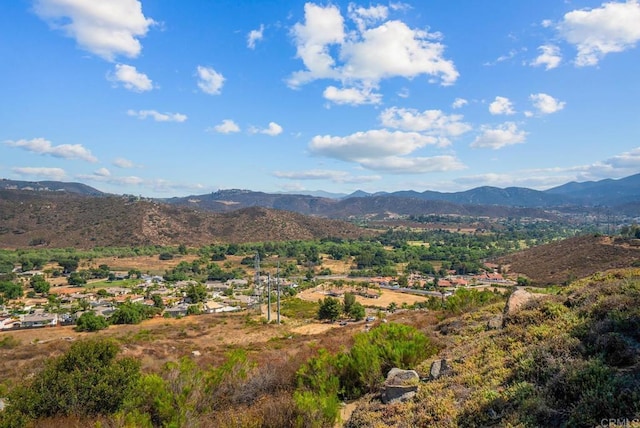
(401, 385)
(439, 368)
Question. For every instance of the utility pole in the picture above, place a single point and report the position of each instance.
(278, 290)
(256, 265)
(268, 297)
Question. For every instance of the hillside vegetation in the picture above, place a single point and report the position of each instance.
(567, 259)
(565, 359)
(29, 219)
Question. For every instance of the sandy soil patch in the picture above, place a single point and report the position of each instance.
(146, 264)
(385, 299)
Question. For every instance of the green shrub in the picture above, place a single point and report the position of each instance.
(91, 322)
(87, 380)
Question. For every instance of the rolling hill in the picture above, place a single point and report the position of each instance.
(71, 220)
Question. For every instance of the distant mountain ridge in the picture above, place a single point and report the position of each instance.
(622, 195)
(49, 186)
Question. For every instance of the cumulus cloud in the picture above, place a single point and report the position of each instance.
(415, 165)
(429, 122)
(459, 103)
(209, 81)
(501, 136)
(56, 174)
(546, 104)
(157, 116)
(549, 57)
(373, 50)
(103, 172)
(272, 130)
(365, 17)
(255, 36)
(352, 96)
(227, 126)
(123, 163)
(130, 78)
(44, 147)
(501, 105)
(612, 27)
(322, 174)
(370, 144)
(102, 177)
(107, 29)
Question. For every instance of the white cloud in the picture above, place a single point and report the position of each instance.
(105, 28)
(613, 27)
(459, 102)
(546, 104)
(394, 49)
(367, 54)
(273, 129)
(417, 165)
(399, 6)
(429, 122)
(56, 174)
(44, 147)
(549, 57)
(366, 17)
(352, 96)
(131, 78)
(501, 105)
(369, 145)
(403, 93)
(123, 163)
(103, 172)
(227, 127)
(255, 36)
(210, 81)
(331, 175)
(504, 135)
(157, 116)
(323, 26)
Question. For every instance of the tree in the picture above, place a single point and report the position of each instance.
(91, 322)
(349, 300)
(196, 292)
(131, 313)
(157, 301)
(39, 284)
(10, 290)
(68, 265)
(76, 278)
(357, 311)
(330, 309)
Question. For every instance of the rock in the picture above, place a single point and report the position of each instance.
(195, 353)
(494, 323)
(516, 300)
(401, 385)
(438, 369)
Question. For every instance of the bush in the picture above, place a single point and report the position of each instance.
(91, 322)
(87, 380)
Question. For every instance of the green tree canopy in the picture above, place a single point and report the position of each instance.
(91, 322)
(330, 309)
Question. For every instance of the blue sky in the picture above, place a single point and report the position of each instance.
(165, 98)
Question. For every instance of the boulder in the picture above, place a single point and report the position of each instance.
(401, 385)
(439, 368)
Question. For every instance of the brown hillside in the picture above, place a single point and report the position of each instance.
(579, 257)
(64, 220)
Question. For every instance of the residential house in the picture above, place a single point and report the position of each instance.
(39, 319)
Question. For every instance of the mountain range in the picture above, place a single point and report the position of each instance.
(621, 196)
